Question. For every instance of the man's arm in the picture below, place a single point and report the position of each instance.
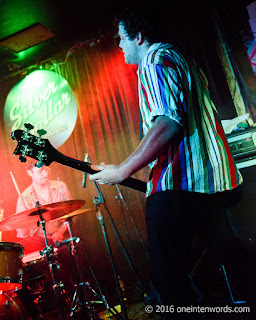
(163, 132)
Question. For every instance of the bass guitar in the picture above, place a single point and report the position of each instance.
(41, 149)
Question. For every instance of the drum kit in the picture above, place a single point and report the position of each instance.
(34, 275)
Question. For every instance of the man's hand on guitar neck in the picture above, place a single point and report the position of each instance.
(109, 174)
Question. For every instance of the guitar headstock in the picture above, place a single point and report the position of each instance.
(34, 147)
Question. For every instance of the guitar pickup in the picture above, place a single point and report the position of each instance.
(39, 142)
(26, 150)
(27, 137)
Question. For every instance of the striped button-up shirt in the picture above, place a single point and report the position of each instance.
(201, 160)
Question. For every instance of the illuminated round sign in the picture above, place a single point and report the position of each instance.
(44, 99)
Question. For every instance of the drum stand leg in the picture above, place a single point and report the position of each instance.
(38, 302)
(79, 301)
(48, 252)
(82, 289)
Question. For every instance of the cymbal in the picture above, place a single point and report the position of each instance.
(30, 217)
(72, 214)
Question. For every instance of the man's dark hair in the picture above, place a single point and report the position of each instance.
(137, 19)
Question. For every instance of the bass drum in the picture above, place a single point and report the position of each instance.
(11, 307)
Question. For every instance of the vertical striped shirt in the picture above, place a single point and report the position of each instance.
(174, 87)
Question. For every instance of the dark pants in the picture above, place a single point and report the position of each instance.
(174, 219)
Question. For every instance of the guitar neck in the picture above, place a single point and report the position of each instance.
(86, 167)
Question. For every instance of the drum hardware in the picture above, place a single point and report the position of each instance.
(48, 254)
(59, 244)
(37, 279)
(85, 306)
(50, 212)
(80, 302)
(54, 211)
(38, 301)
(111, 310)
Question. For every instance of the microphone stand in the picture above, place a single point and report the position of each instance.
(121, 201)
(102, 200)
(98, 201)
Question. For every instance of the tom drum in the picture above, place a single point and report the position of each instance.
(10, 266)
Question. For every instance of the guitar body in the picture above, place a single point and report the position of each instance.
(41, 149)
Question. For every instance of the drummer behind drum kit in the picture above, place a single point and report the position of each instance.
(19, 273)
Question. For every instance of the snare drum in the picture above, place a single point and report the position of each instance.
(37, 277)
(10, 266)
(36, 271)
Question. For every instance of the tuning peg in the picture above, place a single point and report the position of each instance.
(28, 126)
(13, 136)
(41, 132)
(39, 164)
(39, 141)
(22, 159)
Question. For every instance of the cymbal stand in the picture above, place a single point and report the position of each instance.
(86, 284)
(98, 200)
(48, 253)
(79, 300)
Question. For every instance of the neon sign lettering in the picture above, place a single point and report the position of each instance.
(48, 105)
